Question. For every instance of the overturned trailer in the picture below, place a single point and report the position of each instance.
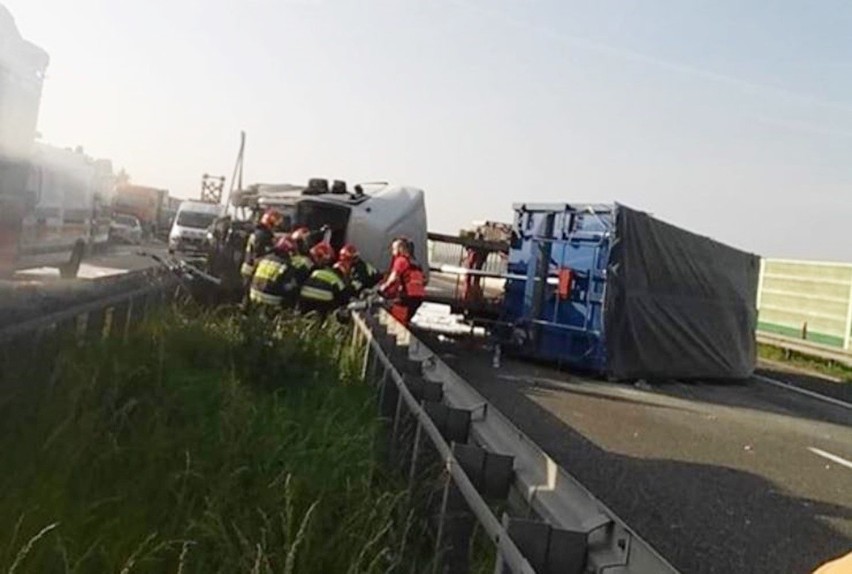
(608, 289)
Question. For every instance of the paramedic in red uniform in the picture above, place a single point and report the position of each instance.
(404, 284)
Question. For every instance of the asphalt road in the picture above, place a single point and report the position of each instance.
(116, 260)
(41, 290)
(720, 478)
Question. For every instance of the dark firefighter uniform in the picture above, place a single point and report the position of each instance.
(364, 276)
(302, 267)
(324, 291)
(274, 282)
(258, 245)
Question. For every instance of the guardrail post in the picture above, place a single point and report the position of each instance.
(454, 424)
(388, 394)
(119, 320)
(490, 473)
(548, 550)
(95, 324)
(424, 390)
(455, 530)
(415, 455)
(67, 328)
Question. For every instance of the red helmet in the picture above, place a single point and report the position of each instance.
(348, 253)
(283, 246)
(322, 253)
(271, 218)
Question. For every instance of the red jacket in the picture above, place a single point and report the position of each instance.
(409, 279)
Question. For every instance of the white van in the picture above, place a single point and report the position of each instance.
(189, 231)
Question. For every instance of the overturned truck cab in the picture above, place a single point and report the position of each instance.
(369, 216)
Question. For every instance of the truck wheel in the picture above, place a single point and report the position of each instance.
(70, 269)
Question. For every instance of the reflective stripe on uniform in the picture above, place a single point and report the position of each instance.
(247, 270)
(269, 269)
(260, 297)
(330, 277)
(315, 294)
(300, 261)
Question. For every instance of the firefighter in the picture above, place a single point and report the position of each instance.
(274, 284)
(259, 244)
(361, 274)
(301, 259)
(404, 284)
(326, 288)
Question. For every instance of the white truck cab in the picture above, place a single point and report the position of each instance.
(370, 216)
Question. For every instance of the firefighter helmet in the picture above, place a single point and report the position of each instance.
(349, 253)
(271, 218)
(322, 253)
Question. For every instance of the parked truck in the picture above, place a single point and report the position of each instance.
(147, 204)
(70, 217)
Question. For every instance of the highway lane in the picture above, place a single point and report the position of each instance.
(116, 260)
(41, 290)
(718, 477)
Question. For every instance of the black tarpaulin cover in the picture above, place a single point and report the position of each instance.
(678, 305)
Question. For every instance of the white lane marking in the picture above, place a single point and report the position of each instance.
(795, 389)
(831, 457)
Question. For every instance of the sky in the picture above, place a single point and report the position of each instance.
(732, 119)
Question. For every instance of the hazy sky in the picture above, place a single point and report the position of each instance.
(731, 118)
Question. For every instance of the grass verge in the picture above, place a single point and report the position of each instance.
(820, 366)
(204, 443)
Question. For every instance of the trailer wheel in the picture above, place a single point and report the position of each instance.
(70, 269)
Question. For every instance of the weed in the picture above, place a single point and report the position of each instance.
(206, 442)
(821, 366)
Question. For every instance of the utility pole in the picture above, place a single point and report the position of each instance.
(237, 176)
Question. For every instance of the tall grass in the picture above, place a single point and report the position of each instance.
(204, 443)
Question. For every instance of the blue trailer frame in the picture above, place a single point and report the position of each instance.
(550, 241)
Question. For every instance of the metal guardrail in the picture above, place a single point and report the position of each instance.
(808, 348)
(565, 529)
(108, 316)
(454, 521)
